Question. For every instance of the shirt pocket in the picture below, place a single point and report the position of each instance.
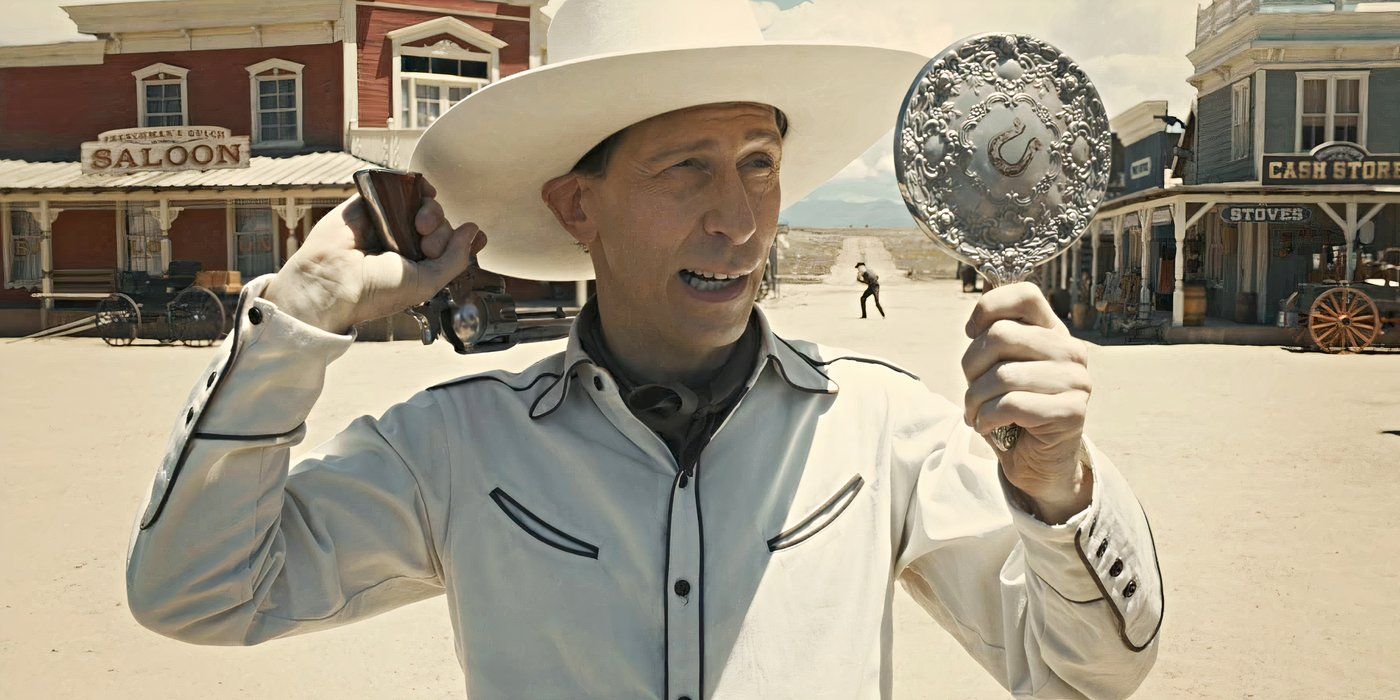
(819, 519)
(539, 529)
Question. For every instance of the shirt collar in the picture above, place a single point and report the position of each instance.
(797, 370)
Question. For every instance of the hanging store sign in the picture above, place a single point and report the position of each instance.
(1265, 214)
(1333, 163)
(166, 148)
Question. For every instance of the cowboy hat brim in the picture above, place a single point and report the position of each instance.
(489, 155)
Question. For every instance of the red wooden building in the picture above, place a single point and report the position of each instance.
(318, 88)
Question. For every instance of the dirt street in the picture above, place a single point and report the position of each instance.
(1269, 478)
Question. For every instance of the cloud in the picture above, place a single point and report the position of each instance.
(1133, 50)
(30, 22)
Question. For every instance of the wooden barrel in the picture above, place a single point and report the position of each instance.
(1194, 306)
(1082, 316)
(1245, 309)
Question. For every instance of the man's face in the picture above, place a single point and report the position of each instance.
(683, 218)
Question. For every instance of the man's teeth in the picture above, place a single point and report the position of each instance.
(707, 281)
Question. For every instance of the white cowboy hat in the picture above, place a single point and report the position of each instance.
(618, 62)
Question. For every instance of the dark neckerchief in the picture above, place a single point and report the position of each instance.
(685, 417)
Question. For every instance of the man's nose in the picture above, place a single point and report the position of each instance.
(733, 213)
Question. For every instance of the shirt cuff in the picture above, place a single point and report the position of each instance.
(272, 359)
(261, 386)
(1104, 552)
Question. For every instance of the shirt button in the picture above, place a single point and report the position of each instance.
(1117, 567)
(1130, 589)
(683, 697)
(682, 588)
(255, 315)
(1103, 547)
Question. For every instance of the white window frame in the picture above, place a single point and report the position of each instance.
(488, 50)
(1241, 131)
(232, 232)
(1329, 130)
(275, 69)
(146, 76)
(149, 231)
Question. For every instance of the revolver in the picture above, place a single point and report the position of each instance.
(486, 319)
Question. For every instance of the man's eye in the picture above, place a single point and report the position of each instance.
(762, 163)
(687, 163)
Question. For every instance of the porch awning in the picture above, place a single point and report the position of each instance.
(324, 169)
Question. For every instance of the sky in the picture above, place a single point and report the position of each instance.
(1133, 50)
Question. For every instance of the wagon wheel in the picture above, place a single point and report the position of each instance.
(1343, 320)
(118, 317)
(197, 317)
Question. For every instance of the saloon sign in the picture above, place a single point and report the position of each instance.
(167, 148)
(1334, 163)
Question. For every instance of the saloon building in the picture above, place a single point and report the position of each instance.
(219, 131)
(1287, 170)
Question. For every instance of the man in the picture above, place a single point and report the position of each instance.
(681, 504)
(871, 281)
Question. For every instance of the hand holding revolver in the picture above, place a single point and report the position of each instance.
(339, 277)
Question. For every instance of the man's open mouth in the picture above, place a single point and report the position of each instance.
(710, 281)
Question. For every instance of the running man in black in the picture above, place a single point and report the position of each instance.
(871, 281)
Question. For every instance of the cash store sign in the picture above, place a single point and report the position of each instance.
(1333, 163)
(165, 148)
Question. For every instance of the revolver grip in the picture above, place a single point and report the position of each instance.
(392, 198)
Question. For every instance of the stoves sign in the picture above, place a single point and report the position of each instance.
(1265, 214)
(165, 148)
(1333, 163)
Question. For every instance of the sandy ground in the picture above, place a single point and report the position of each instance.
(1269, 476)
(870, 251)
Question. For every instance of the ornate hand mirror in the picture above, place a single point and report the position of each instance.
(1003, 153)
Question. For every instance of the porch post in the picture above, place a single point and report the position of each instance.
(165, 216)
(292, 215)
(1145, 231)
(1349, 233)
(1067, 269)
(1117, 244)
(581, 293)
(47, 215)
(1093, 264)
(1178, 293)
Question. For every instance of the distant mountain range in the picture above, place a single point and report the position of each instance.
(824, 213)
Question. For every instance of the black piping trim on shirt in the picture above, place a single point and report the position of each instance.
(1113, 605)
(816, 364)
(566, 377)
(666, 591)
(213, 391)
(825, 515)
(245, 438)
(501, 498)
(1066, 598)
(488, 378)
(700, 532)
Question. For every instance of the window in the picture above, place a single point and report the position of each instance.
(276, 98)
(432, 78)
(253, 244)
(160, 95)
(1331, 107)
(1240, 132)
(142, 241)
(25, 239)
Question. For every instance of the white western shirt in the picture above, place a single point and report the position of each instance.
(578, 561)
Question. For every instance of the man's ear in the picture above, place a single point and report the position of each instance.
(564, 196)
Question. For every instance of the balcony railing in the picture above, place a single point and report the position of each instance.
(1212, 20)
(389, 147)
